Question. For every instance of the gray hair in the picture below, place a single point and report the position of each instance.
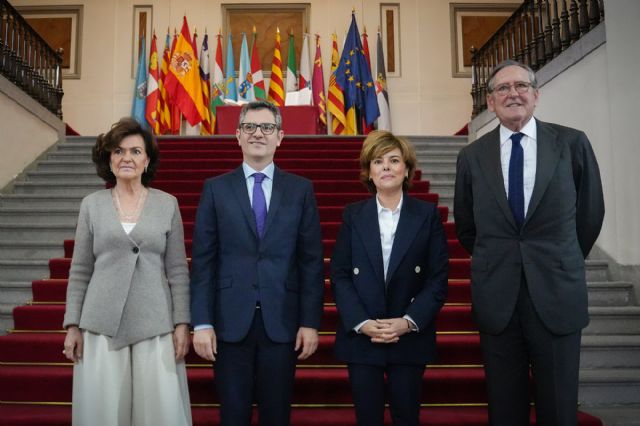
(511, 63)
(256, 105)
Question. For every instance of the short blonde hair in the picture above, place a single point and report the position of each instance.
(376, 145)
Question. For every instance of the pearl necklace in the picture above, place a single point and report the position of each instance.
(131, 216)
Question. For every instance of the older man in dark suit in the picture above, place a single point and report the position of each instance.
(528, 207)
(257, 275)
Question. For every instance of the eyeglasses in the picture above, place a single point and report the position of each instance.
(250, 128)
(520, 86)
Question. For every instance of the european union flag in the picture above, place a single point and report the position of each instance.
(354, 78)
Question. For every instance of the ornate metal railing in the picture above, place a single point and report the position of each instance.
(537, 32)
(28, 61)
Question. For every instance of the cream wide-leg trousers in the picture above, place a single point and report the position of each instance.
(139, 385)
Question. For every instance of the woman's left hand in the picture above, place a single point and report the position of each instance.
(395, 327)
(181, 341)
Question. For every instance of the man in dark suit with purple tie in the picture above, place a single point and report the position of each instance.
(528, 206)
(257, 276)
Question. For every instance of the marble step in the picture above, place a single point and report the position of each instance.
(56, 232)
(609, 386)
(610, 351)
(604, 320)
(23, 270)
(20, 249)
(38, 215)
(15, 292)
(40, 200)
(69, 187)
(611, 293)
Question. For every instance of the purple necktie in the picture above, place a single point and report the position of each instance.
(259, 203)
(516, 181)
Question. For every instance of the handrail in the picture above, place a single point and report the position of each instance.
(28, 61)
(537, 32)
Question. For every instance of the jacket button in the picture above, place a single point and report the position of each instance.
(356, 271)
(417, 269)
(136, 250)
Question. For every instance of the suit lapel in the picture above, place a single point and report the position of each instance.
(366, 225)
(239, 189)
(492, 169)
(277, 189)
(548, 154)
(410, 221)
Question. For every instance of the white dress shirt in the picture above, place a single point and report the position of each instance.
(388, 223)
(267, 182)
(529, 146)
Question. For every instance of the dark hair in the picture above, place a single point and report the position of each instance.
(511, 63)
(379, 143)
(255, 105)
(107, 142)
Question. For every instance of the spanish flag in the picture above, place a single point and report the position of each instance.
(183, 81)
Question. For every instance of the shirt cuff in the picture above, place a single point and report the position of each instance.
(359, 326)
(202, 327)
(414, 326)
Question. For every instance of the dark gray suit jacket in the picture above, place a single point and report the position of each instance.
(562, 223)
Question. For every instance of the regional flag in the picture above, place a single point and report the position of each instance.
(245, 78)
(256, 70)
(317, 85)
(276, 86)
(164, 111)
(217, 89)
(366, 128)
(152, 110)
(292, 78)
(183, 81)
(206, 129)
(140, 91)
(230, 91)
(354, 78)
(384, 121)
(335, 97)
(305, 69)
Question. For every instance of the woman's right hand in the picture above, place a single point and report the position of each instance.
(73, 344)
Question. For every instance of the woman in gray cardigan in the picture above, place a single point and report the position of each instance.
(127, 310)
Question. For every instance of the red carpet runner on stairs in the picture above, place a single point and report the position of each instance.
(35, 379)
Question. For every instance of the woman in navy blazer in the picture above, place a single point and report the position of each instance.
(389, 278)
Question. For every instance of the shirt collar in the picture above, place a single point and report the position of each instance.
(530, 130)
(268, 171)
(381, 207)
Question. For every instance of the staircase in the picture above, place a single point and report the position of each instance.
(34, 263)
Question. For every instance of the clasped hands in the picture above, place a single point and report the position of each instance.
(386, 330)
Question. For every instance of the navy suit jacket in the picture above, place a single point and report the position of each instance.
(416, 283)
(562, 223)
(231, 266)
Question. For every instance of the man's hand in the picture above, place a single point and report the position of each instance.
(205, 343)
(181, 341)
(307, 339)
